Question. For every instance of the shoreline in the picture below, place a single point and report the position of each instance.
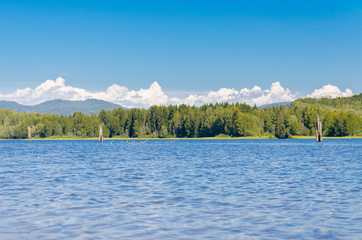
(162, 139)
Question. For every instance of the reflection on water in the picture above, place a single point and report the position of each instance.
(181, 189)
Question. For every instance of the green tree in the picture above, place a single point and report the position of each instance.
(246, 125)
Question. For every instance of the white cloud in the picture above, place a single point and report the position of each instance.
(154, 95)
(256, 95)
(50, 90)
(330, 91)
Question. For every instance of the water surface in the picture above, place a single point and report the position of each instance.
(181, 189)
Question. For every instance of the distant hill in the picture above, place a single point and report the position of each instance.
(12, 106)
(275, 104)
(62, 107)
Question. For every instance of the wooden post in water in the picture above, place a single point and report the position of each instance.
(29, 134)
(318, 130)
(100, 133)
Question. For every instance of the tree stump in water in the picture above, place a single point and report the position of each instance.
(29, 134)
(318, 130)
(100, 133)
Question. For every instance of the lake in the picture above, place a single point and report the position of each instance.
(181, 189)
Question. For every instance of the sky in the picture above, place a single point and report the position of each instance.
(138, 53)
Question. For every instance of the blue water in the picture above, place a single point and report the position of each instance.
(181, 189)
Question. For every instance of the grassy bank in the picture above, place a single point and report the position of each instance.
(206, 138)
(313, 137)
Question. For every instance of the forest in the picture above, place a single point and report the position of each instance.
(340, 117)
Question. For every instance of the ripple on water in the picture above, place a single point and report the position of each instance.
(181, 189)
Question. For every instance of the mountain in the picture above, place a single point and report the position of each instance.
(12, 106)
(62, 107)
(275, 104)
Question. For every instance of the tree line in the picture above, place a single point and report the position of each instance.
(210, 120)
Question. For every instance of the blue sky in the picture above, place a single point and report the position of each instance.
(185, 46)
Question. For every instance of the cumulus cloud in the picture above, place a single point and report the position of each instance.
(330, 91)
(50, 90)
(154, 95)
(256, 95)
